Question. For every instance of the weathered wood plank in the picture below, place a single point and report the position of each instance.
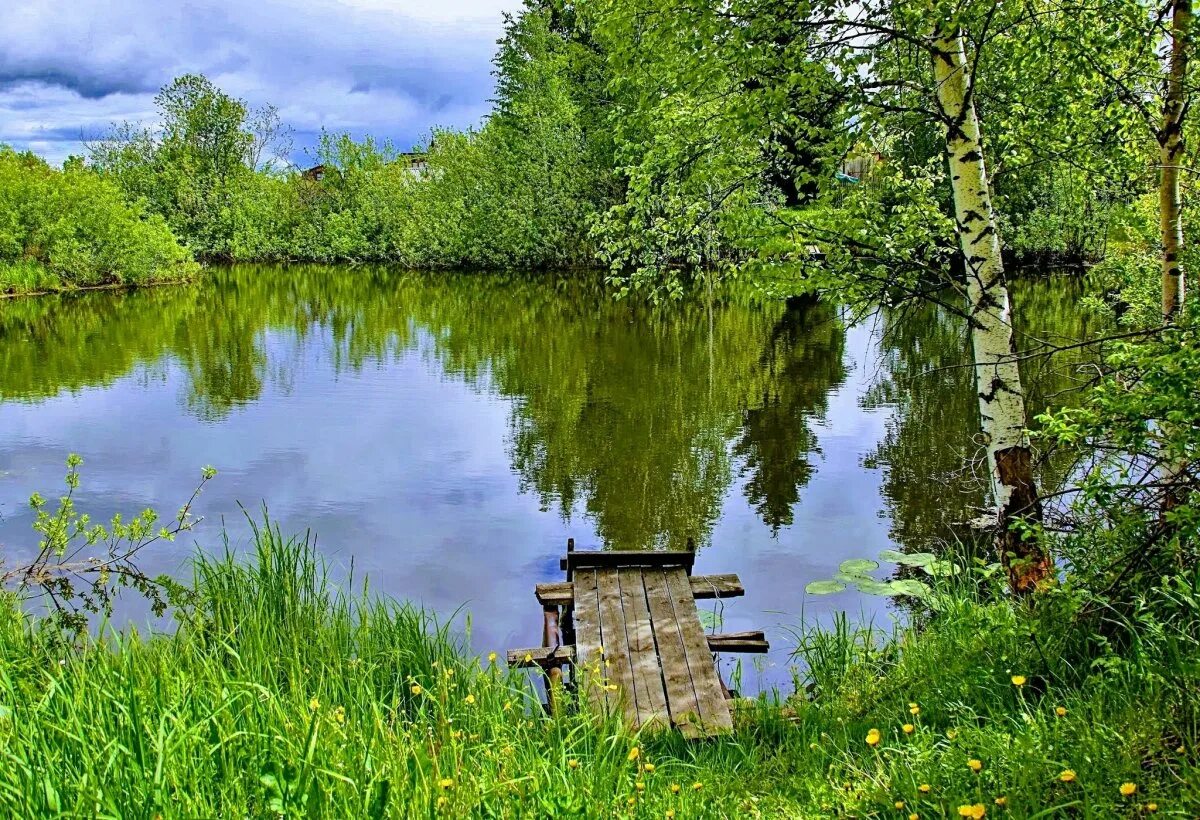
(681, 695)
(714, 712)
(627, 558)
(589, 668)
(643, 655)
(752, 641)
(543, 656)
(616, 644)
(704, 587)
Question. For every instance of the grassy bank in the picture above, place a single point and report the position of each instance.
(72, 229)
(280, 695)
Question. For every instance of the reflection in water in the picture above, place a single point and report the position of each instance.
(625, 410)
(447, 432)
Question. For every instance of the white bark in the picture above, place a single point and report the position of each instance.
(1170, 142)
(1001, 396)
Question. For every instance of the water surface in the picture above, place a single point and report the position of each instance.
(446, 433)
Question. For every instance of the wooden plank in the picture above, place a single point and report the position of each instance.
(704, 587)
(616, 644)
(643, 656)
(588, 636)
(714, 712)
(627, 558)
(681, 695)
(753, 641)
(543, 656)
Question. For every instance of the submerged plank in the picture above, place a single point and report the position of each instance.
(643, 654)
(753, 641)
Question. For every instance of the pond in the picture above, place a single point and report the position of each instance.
(444, 434)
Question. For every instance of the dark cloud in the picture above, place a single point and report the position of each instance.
(391, 68)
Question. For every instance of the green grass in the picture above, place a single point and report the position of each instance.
(280, 694)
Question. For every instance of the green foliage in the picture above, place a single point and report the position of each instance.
(72, 228)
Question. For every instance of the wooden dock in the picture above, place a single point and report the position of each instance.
(626, 626)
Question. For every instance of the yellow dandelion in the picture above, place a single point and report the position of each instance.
(446, 783)
(449, 672)
(528, 657)
(975, 765)
(873, 737)
(339, 714)
(675, 788)
(491, 657)
(1128, 789)
(908, 728)
(507, 705)
(612, 687)
(1067, 776)
(1001, 801)
(640, 786)
(649, 767)
(634, 753)
(924, 788)
(914, 816)
(899, 804)
(914, 709)
(573, 763)
(1061, 711)
(670, 814)
(975, 811)
(441, 802)
(416, 689)
(314, 705)
(1180, 750)
(631, 801)
(470, 700)
(1151, 807)
(697, 786)
(1018, 680)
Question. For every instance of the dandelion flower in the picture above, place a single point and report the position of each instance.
(975, 811)
(873, 737)
(416, 689)
(470, 700)
(975, 765)
(670, 814)
(899, 804)
(924, 788)
(649, 767)
(491, 657)
(1018, 680)
(914, 709)
(1128, 789)
(1001, 801)
(697, 786)
(634, 753)
(339, 714)
(573, 763)
(640, 786)
(1067, 776)
(675, 788)
(314, 705)
(914, 816)
(632, 801)
(441, 802)
(1151, 807)
(446, 783)
(528, 657)
(908, 728)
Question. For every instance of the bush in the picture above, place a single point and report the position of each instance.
(72, 228)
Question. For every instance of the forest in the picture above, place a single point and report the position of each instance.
(924, 165)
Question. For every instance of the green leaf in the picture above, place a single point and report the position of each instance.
(824, 587)
(909, 586)
(858, 566)
(908, 559)
(870, 586)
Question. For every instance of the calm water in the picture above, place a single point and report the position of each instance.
(448, 433)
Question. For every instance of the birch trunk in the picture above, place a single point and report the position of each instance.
(998, 382)
(1170, 150)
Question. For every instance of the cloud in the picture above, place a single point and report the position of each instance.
(391, 68)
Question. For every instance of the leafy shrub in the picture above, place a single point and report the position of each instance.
(72, 228)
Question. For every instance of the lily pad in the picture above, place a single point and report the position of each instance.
(824, 587)
(869, 586)
(908, 586)
(858, 566)
(941, 568)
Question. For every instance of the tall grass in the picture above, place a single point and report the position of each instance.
(280, 694)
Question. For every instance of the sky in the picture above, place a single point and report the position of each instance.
(389, 68)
